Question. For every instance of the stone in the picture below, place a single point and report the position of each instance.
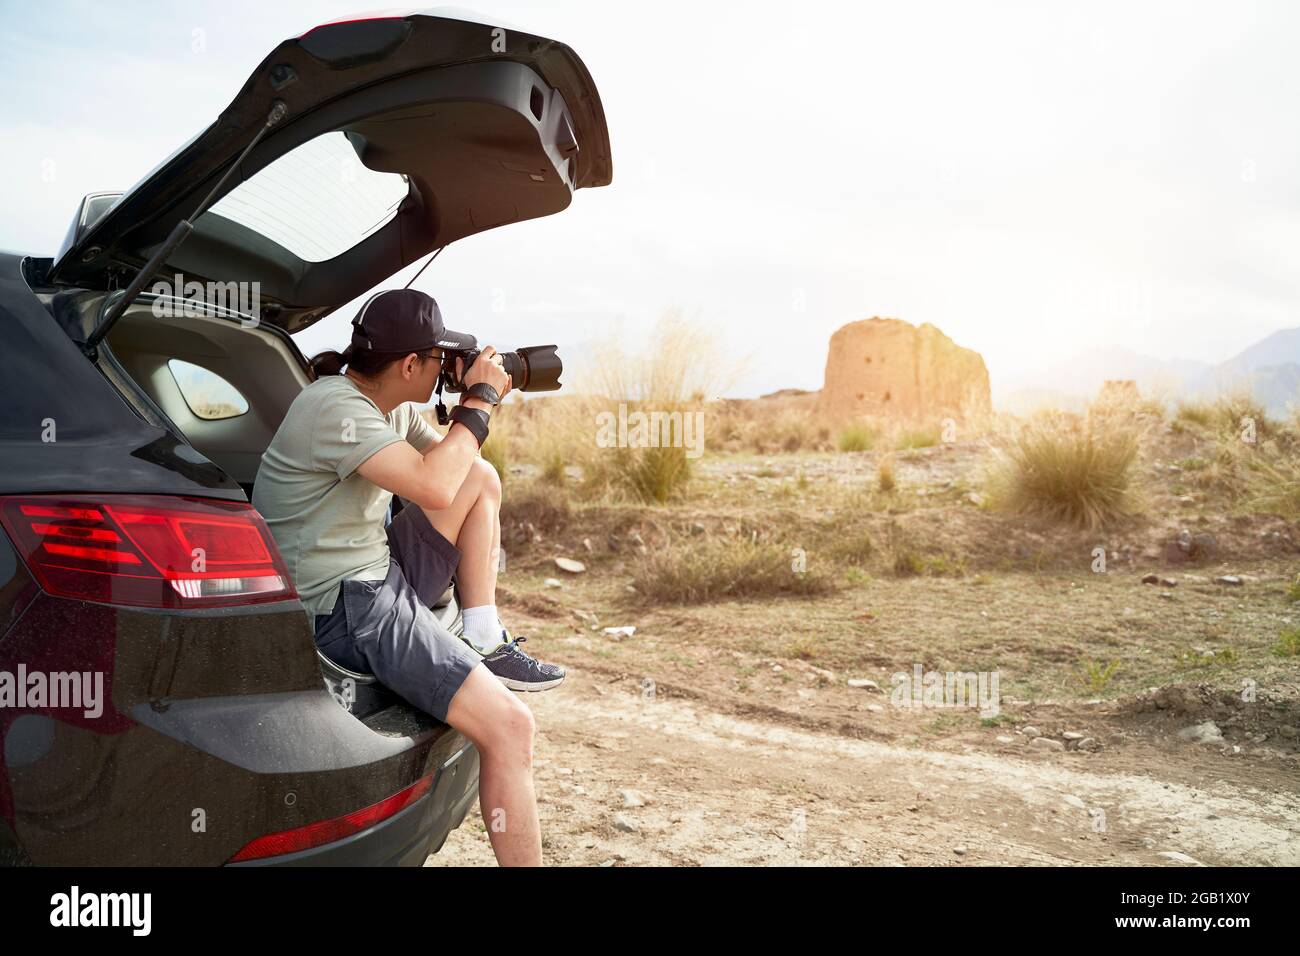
(621, 822)
(1231, 580)
(618, 633)
(862, 683)
(1177, 857)
(1074, 801)
(888, 367)
(1150, 579)
(1206, 732)
(632, 798)
(1029, 730)
(570, 565)
(1004, 739)
(1073, 735)
(1205, 546)
(1046, 743)
(552, 583)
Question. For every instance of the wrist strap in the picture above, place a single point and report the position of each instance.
(484, 392)
(475, 419)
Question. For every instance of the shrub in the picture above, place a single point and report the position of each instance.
(856, 438)
(910, 438)
(1288, 643)
(716, 569)
(1075, 472)
(885, 476)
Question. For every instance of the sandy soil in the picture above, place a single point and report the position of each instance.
(718, 788)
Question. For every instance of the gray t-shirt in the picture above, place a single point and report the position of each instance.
(327, 520)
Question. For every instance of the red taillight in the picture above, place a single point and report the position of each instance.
(327, 831)
(146, 550)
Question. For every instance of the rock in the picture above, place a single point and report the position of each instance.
(1074, 801)
(1205, 546)
(1046, 743)
(1150, 579)
(621, 822)
(1206, 732)
(1029, 730)
(1289, 732)
(1072, 735)
(1004, 739)
(1174, 554)
(959, 850)
(1087, 744)
(632, 798)
(875, 708)
(618, 633)
(823, 676)
(1177, 857)
(1231, 580)
(891, 367)
(570, 565)
(862, 683)
(697, 527)
(1168, 583)
(552, 583)
(588, 546)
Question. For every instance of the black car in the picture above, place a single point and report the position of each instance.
(129, 443)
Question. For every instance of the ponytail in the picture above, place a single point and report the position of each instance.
(330, 362)
(363, 361)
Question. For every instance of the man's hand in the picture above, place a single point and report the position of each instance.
(487, 368)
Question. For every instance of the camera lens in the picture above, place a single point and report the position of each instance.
(535, 368)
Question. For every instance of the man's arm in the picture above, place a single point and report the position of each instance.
(431, 480)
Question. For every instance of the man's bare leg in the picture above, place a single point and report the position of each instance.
(501, 728)
(473, 524)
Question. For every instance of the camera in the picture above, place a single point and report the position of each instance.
(534, 368)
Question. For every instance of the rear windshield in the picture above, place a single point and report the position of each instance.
(317, 201)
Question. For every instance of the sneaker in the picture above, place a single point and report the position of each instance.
(518, 671)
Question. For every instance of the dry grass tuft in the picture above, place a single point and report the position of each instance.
(1071, 470)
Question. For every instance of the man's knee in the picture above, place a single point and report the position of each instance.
(512, 730)
(489, 482)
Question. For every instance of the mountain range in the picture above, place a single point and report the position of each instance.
(1270, 369)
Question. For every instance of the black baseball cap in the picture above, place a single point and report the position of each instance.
(404, 320)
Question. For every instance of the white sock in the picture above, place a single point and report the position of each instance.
(482, 628)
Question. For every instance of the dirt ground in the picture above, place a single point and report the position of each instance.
(626, 777)
(728, 732)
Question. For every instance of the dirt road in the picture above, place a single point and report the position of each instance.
(628, 777)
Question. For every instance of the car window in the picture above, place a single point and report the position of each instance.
(317, 201)
(208, 395)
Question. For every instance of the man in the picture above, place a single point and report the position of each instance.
(351, 441)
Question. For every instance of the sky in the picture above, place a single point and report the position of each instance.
(1035, 179)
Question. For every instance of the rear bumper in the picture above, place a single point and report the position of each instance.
(406, 838)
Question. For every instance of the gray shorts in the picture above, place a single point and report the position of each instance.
(385, 627)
